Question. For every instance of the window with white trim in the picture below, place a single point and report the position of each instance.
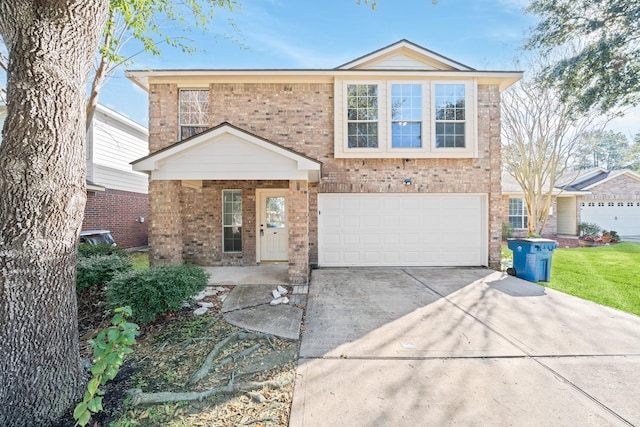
(362, 115)
(232, 220)
(405, 118)
(517, 213)
(193, 112)
(450, 115)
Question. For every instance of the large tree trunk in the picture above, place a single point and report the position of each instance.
(42, 197)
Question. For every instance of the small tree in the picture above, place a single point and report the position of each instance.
(539, 135)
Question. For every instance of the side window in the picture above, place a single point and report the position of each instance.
(232, 221)
(193, 111)
(517, 213)
(406, 116)
(362, 115)
(450, 115)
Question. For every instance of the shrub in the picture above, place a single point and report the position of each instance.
(507, 230)
(156, 290)
(86, 250)
(589, 230)
(99, 269)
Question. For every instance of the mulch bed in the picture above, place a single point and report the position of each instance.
(170, 349)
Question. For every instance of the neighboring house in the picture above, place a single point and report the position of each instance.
(392, 159)
(610, 199)
(117, 196)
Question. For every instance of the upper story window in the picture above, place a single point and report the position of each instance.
(450, 115)
(406, 116)
(362, 116)
(405, 119)
(193, 112)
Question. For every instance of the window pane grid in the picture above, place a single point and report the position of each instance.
(406, 115)
(232, 220)
(193, 112)
(450, 115)
(517, 213)
(362, 116)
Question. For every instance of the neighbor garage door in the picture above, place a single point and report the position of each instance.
(402, 230)
(622, 216)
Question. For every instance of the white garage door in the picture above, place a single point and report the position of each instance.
(402, 230)
(622, 216)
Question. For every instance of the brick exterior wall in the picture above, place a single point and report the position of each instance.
(163, 116)
(118, 211)
(201, 213)
(619, 188)
(550, 229)
(165, 237)
(298, 218)
(300, 117)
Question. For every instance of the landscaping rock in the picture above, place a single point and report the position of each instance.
(200, 311)
(205, 304)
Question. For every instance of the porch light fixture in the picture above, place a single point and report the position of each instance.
(407, 181)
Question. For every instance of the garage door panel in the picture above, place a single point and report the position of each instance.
(402, 229)
(622, 216)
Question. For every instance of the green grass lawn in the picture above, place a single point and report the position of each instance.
(140, 260)
(607, 275)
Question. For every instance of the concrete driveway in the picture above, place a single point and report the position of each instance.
(451, 346)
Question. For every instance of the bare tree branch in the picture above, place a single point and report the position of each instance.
(539, 136)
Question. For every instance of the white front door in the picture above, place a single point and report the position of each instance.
(273, 234)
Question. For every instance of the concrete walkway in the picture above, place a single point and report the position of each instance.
(437, 346)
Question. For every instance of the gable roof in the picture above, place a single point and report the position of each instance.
(226, 152)
(573, 182)
(584, 180)
(404, 55)
(401, 58)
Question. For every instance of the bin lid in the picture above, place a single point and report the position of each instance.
(533, 240)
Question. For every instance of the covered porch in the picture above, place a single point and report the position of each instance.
(226, 197)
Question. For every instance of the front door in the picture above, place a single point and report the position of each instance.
(272, 222)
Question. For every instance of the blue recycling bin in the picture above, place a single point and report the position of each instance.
(532, 258)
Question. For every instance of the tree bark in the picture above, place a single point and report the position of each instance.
(42, 187)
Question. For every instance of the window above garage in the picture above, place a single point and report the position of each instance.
(405, 119)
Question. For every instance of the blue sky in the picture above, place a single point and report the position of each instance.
(483, 34)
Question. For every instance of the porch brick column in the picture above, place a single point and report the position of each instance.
(298, 222)
(165, 231)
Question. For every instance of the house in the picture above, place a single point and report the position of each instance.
(392, 159)
(610, 199)
(117, 196)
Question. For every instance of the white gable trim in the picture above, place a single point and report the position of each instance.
(613, 175)
(432, 60)
(228, 153)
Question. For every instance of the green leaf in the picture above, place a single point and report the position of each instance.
(117, 319)
(113, 334)
(80, 409)
(99, 367)
(95, 404)
(93, 385)
(84, 418)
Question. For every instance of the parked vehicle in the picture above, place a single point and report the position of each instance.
(97, 237)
